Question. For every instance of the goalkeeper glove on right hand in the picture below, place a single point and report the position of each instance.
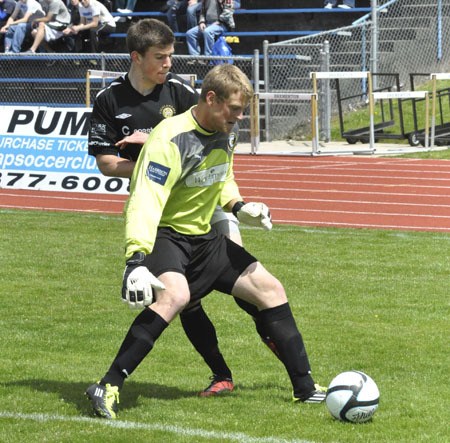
(138, 283)
(253, 214)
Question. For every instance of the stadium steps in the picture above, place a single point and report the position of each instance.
(407, 22)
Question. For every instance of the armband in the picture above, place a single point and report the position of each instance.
(236, 207)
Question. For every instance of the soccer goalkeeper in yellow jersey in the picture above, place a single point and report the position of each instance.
(174, 257)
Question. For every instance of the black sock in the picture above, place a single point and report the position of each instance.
(202, 334)
(253, 311)
(260, 327)
(247, 307)
(138, 342)
(280, 325)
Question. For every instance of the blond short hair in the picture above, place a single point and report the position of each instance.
(224, 80)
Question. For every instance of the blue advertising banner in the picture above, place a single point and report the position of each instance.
(45, 148)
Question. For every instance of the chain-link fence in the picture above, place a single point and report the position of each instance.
(404, 37)
(61, 80)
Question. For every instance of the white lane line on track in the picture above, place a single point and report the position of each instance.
(378, 214)
(438, 168)
(339, 162)
(359, 176)
(263, 160)
(358, 202)
(178, 430)
(296, 165)
(257, 188)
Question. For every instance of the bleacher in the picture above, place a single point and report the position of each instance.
(257, 21)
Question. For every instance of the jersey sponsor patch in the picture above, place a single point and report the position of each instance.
(208, 176)
(157, 173)
(98, 128)
(126, 130)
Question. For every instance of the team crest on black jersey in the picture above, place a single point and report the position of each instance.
(232, 141)
(167, 111)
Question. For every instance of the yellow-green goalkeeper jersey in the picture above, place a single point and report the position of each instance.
(183, 172)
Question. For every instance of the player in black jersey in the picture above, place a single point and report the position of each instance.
(125, 112)
(123, 115)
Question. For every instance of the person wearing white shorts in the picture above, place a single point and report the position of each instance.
(50, 27)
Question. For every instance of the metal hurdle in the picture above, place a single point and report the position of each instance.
(434, 77)
(96, 74)
(409, 95)
(255, 114)
(103, 75)
(346, 75)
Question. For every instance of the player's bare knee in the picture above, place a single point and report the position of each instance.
(176, 295)
(178, 299)
(259, 287)
(274, 294)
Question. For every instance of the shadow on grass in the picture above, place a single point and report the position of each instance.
(73, 392)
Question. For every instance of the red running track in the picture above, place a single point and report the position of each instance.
(353, 192)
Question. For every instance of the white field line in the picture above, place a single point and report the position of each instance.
(59, 196)
(361, 225)
(178, 430)
(58, 209)
(355, 202)
(275, 171)
(314, 230)
(378, 214)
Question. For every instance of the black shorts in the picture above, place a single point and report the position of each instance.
(210, 261)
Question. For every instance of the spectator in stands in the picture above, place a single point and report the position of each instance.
(73, 41)
(50, 27)
(95, 21)
(18, 25)
(124, 7)
(346, 4)
(6, 9)
(216, 17)
(193, 13)
(174, 8)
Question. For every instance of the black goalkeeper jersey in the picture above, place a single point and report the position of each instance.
(119, 110)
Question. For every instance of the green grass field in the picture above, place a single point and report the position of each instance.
(375, 301)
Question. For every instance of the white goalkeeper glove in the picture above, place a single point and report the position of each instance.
(253, 214)
(138, 283)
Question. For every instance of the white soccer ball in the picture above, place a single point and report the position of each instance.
(352, 396)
